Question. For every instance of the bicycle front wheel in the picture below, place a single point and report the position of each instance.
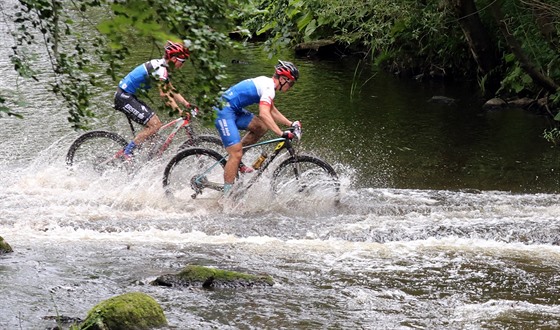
(308, 177)
(192, 171)
(95, 150)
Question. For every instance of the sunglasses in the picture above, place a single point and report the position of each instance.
(182, 60)
(290, 82)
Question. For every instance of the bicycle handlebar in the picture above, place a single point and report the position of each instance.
(296, 130)
(194, 111)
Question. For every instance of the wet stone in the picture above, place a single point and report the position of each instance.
(129, 311)
(206, 277)
(4, 246)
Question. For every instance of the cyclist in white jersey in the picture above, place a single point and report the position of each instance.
(233, 116)
(140, 78)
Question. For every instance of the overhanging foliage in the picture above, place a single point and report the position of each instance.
(87, 41)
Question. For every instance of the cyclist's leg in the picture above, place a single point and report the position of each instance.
(151, 128)
(226, 123)
(255, 130)
(235, 153)
(139, 112)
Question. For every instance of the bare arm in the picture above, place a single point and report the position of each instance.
(279, 117)
(265, 114)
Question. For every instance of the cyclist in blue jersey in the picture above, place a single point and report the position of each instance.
(233, 116)
(139, 79)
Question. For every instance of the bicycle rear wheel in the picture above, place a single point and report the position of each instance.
(95, 151)
(308, 177)
(193, 170)
(204, 141)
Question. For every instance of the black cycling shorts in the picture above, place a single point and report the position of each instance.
(132, 107)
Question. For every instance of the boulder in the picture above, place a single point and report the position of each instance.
(4, 246)
(320, 49)
(438, 99)
(524, 102)
(495, 103)
(130, 311)
(207, 277)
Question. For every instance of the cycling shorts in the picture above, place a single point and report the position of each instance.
(132, 107)
(229, 121)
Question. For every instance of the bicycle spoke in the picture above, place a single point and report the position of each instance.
(308, 177)
(95, 152)
(192, 171)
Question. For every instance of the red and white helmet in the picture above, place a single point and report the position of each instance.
(287, 69)
(175, 49)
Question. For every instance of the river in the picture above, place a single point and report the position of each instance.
(448, 217)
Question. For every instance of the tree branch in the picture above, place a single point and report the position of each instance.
(526, 64)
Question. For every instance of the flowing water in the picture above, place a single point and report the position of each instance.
(448, 218)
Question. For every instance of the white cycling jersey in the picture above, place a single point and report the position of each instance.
(251, 91)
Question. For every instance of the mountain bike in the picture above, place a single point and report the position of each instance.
(194, 170)
(100, 150)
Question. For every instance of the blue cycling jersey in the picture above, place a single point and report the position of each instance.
(234, 116)
(139, 77)
(250, 91)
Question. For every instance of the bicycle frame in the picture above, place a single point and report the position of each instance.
(183, 121)
(283, 143)
(178, 123)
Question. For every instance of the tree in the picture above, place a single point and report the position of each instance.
(530, 61)
(532, 69)
(511, 47)
(481, 43)
(112, 24)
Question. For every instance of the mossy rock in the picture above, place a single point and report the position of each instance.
(130, 311)
(207, 277)
(4, 246)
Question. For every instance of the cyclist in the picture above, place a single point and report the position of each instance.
(138, 79)
(233, 117)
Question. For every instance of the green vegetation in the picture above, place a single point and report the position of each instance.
(206, 277)
(552, 135)
(399, 35)
(87, 41)
(511, 48)
(4, 109)
(193, 273)
(4, 246)
(130, 311)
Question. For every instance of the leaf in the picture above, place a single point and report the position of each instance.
(267, 27)
(302, 22)
(311, 27)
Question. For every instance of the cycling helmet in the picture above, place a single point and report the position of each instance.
(287, 69)
(176, 49)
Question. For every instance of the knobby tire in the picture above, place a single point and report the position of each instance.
(306, 175)
(93, 146)
(203, 141)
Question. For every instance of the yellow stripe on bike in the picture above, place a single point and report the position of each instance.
(279, 146)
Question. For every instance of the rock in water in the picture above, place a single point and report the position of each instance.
(130, 311)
